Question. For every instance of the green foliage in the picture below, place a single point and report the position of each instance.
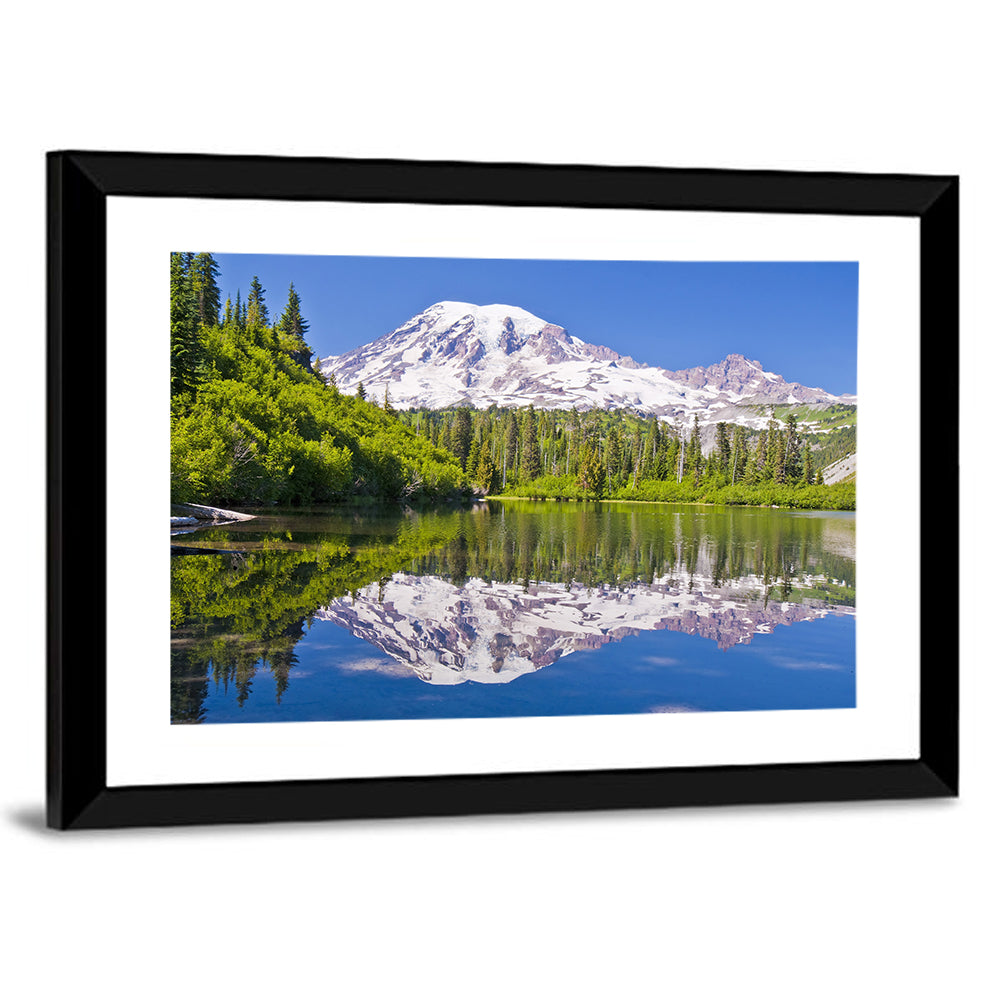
(258, 427)
(591, 480)
(461, 438)
(486, 473)
(531, 462)
(641, 458)
(256, 314)
(291, 325)
(187, 354)
(204, 271)
(241, 614)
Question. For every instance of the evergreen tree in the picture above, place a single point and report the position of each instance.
(650, 446)
(635, 461)
(613, 456)
(723, 448)
(591, 477)
(807, 468)
(531, 460)
(696, 460)
(510, 450)
(793, 450)
(187, 359)
(256, 307)
(753, 472)
(472, 462)
(780, 452)
(361, 394)
(461, 437)
(386, 405)
(667, 462)
(291, 324)
(204, 271)
(239, 316)
(486, 472)
(739, 457)
(774, 447)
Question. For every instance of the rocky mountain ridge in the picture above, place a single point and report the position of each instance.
(460, 354)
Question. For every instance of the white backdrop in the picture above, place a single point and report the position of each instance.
(868, 899)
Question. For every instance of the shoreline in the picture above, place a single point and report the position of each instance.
(678, 503)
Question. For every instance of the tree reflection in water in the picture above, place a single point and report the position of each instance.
(237, 614)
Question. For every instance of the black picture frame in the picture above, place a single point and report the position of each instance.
(79, 184)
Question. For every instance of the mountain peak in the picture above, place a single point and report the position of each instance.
(740, 359)
(462, 354)
(496, 312)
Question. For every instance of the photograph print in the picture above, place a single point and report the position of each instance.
(431, 488)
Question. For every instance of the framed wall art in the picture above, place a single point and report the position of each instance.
(495, 488)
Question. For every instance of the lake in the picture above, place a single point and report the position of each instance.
(513, 608)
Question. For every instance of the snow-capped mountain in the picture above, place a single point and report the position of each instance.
(459, 354)
(492, 632)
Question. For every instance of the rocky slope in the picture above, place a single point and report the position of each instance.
(459, 354)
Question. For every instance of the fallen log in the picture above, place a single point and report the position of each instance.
(203, 513)
(192, 550)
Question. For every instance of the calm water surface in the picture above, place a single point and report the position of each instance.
(513, 608)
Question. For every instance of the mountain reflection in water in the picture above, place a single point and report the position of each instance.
(489, 595)
(495, 632)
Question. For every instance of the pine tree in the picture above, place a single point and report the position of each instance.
(461, 435)
(667, 462)
(238, 312)
(723, 447)
(591, 477)
(650, 447)
(697, 460)
(386, 405)
(739, 459)
(256, 308)
(187, 359)
(472, 462)
(361, 394)
(204, 271)
(779, 461)
(807, 468)
(291, 324)
(486, 472)
(510, 450)
(531, 460)
(753, 472)
(773, 447)
(793, 450)
(613, 456)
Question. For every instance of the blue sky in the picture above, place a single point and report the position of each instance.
(798, 319)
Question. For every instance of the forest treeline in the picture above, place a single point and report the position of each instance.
(252, 423)
(593, 455)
